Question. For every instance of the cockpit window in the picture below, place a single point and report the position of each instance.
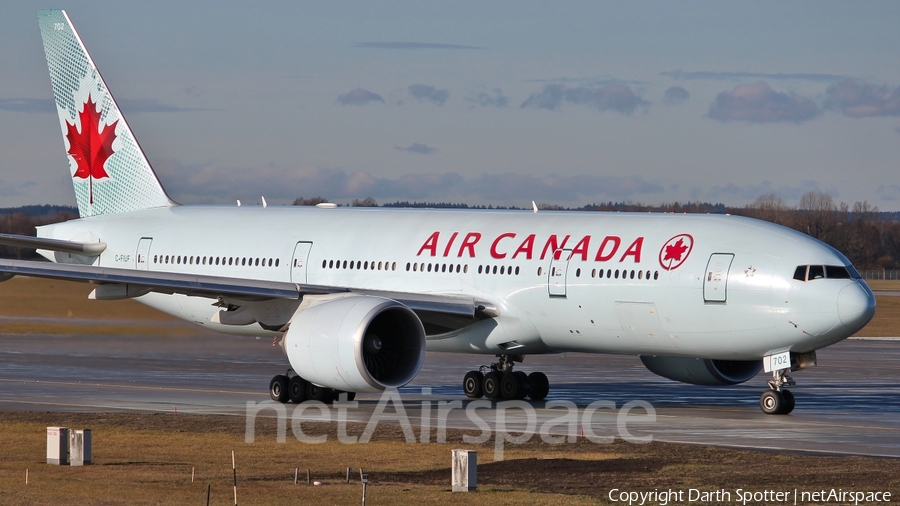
(815, 272)
(811, 272)
(837, 272)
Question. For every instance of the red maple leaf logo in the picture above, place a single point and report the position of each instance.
(674, 251)
(91, 148)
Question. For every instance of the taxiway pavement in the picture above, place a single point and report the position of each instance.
(850, 404)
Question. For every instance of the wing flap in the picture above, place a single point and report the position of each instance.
(139, 282)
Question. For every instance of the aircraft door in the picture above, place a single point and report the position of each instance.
(298, 264)
(715, 284)
(142, 258)
(559, 269)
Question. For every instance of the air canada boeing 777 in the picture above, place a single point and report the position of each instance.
(355, 296)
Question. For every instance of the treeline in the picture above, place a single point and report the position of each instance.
(869, 238)
(23, 220)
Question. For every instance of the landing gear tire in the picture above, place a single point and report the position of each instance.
(773, 402)
(297, 389)
(317, 393)
(512, 387)
(789, 401)
(473, 384)
(491, 386)
(278, 388)
(540, 386)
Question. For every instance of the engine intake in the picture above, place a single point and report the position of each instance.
(356, 343)
(702, 371)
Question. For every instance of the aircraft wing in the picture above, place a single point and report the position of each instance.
(133, 282)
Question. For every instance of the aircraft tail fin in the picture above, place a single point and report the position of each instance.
(109, 170)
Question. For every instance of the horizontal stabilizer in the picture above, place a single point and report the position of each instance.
(27, 241)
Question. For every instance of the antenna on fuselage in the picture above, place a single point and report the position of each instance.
(239, 202)
(534, 206)
(264, 202)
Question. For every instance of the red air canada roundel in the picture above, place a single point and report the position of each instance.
(675, 251)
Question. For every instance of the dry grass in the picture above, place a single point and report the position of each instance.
(65, 299)
(147, 459)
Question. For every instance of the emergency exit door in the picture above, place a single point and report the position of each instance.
(715, 284)
(298, 263)
(559, 269)
(142, 258)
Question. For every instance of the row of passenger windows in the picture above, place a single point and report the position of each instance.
(451, 268)
(811, 272)
(494, 270)
(611, 274)
(359, 265)
(815, 270)
(198, 260)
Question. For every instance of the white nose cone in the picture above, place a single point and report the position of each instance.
(856, 305)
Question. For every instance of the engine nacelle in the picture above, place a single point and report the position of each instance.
(356, 343)
(703, 371)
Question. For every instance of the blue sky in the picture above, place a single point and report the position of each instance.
(481, 102)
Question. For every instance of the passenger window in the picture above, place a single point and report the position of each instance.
(578, 272)
(466, 269)
(815, 272)
(276, 262)
(495, 269)
(480, 268)
(655, 274)
(617, 273)
(800, 273)
(517, 271)
(540, 270)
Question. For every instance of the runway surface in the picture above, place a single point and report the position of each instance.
(850, 404)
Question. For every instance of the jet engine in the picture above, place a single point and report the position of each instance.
(702, 371)
(355, 343)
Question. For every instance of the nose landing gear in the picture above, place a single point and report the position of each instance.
(778, 400)
(498, 381)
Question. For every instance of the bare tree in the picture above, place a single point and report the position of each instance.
(817, 215)
(300, 201)
(366, 202)
(770, 207)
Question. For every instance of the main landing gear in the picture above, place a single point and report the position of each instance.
(291, 387)
(778, 400)
(498, 381)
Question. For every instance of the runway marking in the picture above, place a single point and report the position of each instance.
(130, 387)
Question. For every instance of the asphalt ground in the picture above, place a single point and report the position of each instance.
(849, 404)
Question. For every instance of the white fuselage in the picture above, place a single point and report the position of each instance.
(561, 281)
